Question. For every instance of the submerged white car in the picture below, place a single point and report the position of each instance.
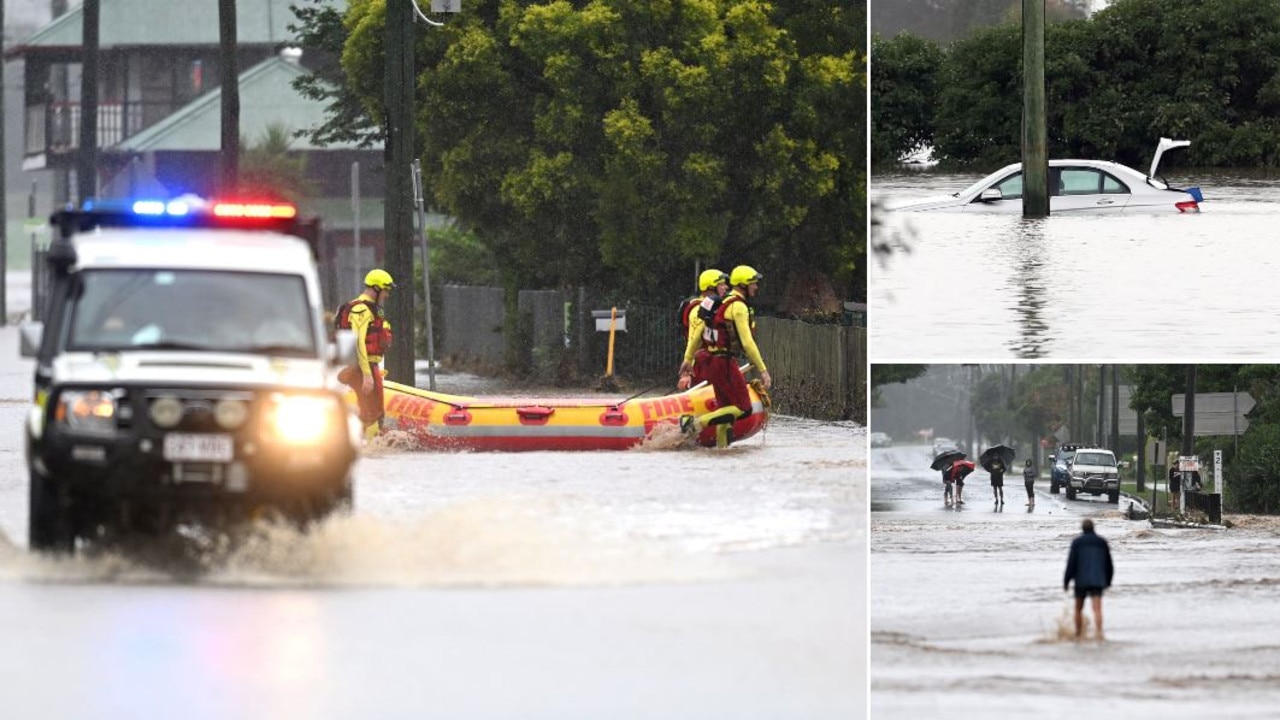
(1094, 186)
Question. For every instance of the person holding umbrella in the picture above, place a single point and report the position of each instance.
(943, 462)
(960, 469)
(995, 460)
(1029, 479)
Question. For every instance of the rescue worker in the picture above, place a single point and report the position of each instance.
(694, 315)
(364, 316)
(730, 331)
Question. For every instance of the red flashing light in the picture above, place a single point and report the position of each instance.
(254, 210)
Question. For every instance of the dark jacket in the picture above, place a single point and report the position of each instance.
(1089, 562)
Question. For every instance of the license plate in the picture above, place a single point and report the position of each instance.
(183, 447)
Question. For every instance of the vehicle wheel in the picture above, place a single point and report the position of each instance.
(1113, 497)
(49, 526)
(1071, 493)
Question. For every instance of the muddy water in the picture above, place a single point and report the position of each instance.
(658, 582)
(969, 619)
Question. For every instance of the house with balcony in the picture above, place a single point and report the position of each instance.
(159, 112)
(155, 57)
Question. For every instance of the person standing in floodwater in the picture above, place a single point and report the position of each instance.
(1089, 565)
(997, 481)
(946, 486)
(1029, 479)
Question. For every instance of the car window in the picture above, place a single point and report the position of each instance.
(1011, 187)
(1113, 186)
(1095, 459)
(204, 310)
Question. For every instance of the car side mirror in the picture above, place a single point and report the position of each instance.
(991, 195)
(343, 349)
(31, 335)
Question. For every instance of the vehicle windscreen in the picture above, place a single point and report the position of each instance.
(1064, 456)
(198, 310)
(1088, 458)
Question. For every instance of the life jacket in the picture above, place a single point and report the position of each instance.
(720, 335)
(704, 305)
(377, 339)
(683, 315)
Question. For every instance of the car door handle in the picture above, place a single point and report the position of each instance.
(1105, 201)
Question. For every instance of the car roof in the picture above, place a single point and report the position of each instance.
(192, 248)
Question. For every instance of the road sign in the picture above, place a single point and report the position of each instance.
(1156, 450)
(1217, 471)
(1217, 413)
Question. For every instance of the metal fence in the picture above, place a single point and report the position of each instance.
(1208, 503)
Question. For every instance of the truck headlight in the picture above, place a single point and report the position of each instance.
(303, 419)
(87, 411)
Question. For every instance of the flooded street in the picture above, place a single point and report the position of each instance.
(969, 619)
(639, 584)
(1138, 285)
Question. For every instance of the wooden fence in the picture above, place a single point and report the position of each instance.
(819, 371)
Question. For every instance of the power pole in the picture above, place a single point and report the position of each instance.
(1115, 408)
(1102, 384)
(230, 138)
(87, 158)
(1035, 136)
(398, 209)
(4, 217)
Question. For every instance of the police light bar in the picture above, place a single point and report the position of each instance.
(185, 211)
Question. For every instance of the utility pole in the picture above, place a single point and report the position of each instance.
(1115, 408)
(230, 138)
(1142, 454)
(4, 216)
(87, 158)
(1035, 136)
(398, 209)
(1099, 438)
(1188, 431)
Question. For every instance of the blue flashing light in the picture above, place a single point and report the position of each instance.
(149, 207)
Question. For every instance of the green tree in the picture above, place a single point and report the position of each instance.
(903, 93)
(269, 169)
(615, 143)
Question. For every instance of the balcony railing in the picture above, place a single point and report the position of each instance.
(55, 127)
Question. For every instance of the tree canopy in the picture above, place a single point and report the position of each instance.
(1138, 70)
(616, 144)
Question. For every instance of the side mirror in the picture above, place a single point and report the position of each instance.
(31, 335)
(343, 349)
(991, 195)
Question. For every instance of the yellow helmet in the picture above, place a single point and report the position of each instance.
(711, 278)
(379, 279)
(744, 275)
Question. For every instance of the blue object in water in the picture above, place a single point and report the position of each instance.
(1196, 194)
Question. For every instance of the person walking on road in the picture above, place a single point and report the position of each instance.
(1029, 479)
(1175, 489)
(946, 486)
(364, 316)
(1089, 565)
(957, 476)
(997, 481)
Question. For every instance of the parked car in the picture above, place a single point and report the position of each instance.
(1075, 186)
(1093, 471)
(942, 443)
(879, 439)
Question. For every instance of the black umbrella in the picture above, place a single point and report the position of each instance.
(946, 457)
(1003, 453)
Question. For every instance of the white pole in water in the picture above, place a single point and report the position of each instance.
(426, 274)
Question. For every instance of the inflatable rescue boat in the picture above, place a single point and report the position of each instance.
(438, 421)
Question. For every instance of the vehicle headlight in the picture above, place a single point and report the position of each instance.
(87, 411)
(303, 419)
